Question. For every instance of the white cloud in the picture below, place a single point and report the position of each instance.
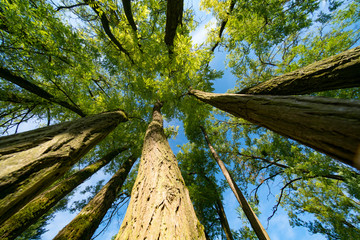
(200, 34)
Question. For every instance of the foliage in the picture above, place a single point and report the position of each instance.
(87, 53)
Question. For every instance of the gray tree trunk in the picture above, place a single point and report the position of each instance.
(249, 213)
(160, 206)
(32, 211)
(336, 72)
(331, 126)
(83, 226)
(32, 161)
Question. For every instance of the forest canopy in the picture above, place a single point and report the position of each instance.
(99, 77)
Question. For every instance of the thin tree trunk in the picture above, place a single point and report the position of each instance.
(83, 226)
(220, 209)
(336, 72)
(32, 161)
(223, 219)
(31, 212)
(174, 12)
(160, 206)
(251, 216)
(331, 126)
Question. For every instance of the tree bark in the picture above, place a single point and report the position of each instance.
(249, 213)
(223, 219)
(174, 14)
(83, 226)
(331, 126)
(336, 72)
(128, 14)
(31, 212)
(33, 88)
(160, 206)
(33, 160)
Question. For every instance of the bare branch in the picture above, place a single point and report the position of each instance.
(223, 24)
(35, 89)
(69, 7)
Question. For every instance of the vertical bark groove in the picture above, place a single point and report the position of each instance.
(160, 206)
(32, 161)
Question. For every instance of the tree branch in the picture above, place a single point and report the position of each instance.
(223, 24)
(31, 87)
(174, 13)
(69, 7)
(106, 26)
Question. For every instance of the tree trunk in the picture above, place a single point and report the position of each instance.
(32, 161)
(223, 219)
(331, 126)
(336, 72)
(83, 226)
(160, 206)
(31, 212)
(174, 13)
(251, 216)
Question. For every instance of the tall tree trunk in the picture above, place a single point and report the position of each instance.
(331, 126)
(251, 216)
(83, 226)
(32, 211)
(32, 161)
(223, 219)
(336, 72)
(160, 206)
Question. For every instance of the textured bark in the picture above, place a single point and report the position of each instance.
(83, 226)
(31, 212)
(31, 87)
(331, 126)
(32, 161)
(336, 72)
(249, 213)
(160, 206)
(174, 13)
(223, 219)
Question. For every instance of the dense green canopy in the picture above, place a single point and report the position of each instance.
(66, 59)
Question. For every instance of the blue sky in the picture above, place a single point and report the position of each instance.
(278, 227)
